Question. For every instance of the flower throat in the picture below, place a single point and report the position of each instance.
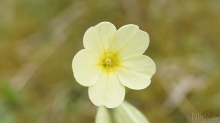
(109, 61)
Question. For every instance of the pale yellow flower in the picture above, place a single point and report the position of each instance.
(111, 60)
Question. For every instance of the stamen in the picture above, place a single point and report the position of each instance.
(109, 61)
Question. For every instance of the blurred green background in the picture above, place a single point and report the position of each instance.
(39, 38)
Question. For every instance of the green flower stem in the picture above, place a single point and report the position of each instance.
(102, 115)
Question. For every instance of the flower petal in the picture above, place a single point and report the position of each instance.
(136, 71)
(107, 91)
(85, 67)
(130, 40)
(99, 37)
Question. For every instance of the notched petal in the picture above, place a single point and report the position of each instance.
(136, 71)
(84, 67)
(107, 91)
(99, 38)
(130, 40)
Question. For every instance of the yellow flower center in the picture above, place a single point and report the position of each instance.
(109, 62)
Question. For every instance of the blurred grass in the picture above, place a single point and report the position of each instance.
(38, 39)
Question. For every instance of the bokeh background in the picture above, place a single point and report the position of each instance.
(39, 38)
